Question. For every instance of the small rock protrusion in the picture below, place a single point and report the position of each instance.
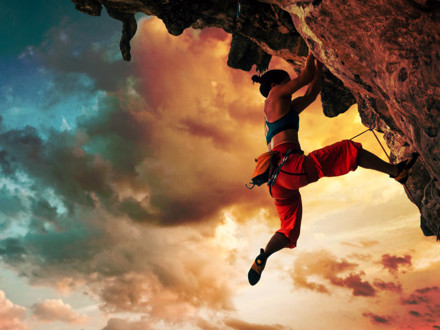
(403, 75)
(431, 131)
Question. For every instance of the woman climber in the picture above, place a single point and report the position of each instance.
(298, 170)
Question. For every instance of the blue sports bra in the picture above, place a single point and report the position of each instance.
(288, 121)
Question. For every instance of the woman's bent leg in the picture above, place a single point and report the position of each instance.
(368, 160)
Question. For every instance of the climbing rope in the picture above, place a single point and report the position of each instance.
(404, 185)
(411, 197)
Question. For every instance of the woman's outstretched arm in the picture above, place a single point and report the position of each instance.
(302, 102)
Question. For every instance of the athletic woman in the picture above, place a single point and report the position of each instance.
(281, 128)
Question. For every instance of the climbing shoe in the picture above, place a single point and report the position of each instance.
(404, 168)
(257, 268)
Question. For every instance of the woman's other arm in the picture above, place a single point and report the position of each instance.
(303, 79)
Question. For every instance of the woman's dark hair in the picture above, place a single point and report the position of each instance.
(266, 80)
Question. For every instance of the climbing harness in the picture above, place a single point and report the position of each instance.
(277, 171)
(267, 168)
(263, 168)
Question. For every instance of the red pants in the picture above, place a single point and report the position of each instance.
(334, 160)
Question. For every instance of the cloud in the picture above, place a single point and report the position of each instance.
(169, 280)
(415, 313)
(12, 316)
(331, 271)
(199, 323)
(52, 310)
(10, 205)
(12, 251)
(377, 319)
(394, 263)
(421, 296)
(387, 286)
(121, 324)
(242, 325)
(69, 50)
(360, 256)
(355, 282)
(206, 130)
(362, 244)
(58, 163)
(423, 306)
(125, 205)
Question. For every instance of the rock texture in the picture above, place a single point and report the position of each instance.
(383, 55)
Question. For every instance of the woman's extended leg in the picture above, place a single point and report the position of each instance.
(368, 160)
(277, 242)
(290, 212)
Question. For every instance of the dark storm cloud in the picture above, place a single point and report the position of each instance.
(57, 163)
(129, 162)
(5, 165)
(127, 138)
(394, 263)
(203, 203)
(113, 152)
(12, 251)
(86, 170)
(119, 135)
(43, 212)
(71, 49)
(10, 205)
(55, 166)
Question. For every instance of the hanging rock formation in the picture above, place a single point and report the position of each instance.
(383, 55)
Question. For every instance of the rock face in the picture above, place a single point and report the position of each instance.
(383, 55)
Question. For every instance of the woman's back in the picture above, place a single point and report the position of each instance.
(277, 110)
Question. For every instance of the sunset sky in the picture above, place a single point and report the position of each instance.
(123, 204)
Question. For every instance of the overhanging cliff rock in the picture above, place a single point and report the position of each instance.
(383, 55)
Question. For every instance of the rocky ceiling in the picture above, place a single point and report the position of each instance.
(383, 55)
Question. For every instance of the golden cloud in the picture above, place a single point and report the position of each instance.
(12, 317)
(52, 310)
